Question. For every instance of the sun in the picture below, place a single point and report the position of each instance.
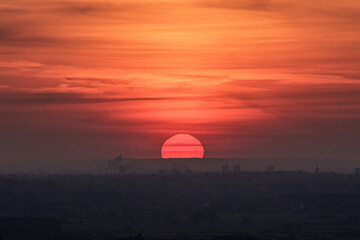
(182, 146)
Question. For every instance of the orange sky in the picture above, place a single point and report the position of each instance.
(249, 78)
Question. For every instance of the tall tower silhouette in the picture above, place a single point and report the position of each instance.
(317, 169)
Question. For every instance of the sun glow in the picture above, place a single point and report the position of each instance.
(182, 146)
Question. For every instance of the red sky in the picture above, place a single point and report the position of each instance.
(248, 78)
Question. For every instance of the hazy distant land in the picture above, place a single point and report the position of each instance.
(153, 165)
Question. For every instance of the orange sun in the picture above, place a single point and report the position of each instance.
(182, 146)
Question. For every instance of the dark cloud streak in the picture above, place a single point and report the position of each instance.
(66, 98)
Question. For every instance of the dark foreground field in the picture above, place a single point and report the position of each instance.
(261, 205)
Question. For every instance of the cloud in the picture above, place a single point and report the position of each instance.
(11, 11)
(26, 98)
(255, 5)
(20, 64)
(22, 37)
(85, 8)
(337, 100)
(92, 80)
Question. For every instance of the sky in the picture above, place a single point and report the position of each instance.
(248, 78)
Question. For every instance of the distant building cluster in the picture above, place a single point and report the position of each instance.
(115, 165)
(118, 166)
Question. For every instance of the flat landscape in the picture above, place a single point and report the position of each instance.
(265, 205)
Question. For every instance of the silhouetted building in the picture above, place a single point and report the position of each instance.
(175, 171)
(236, 169)
(270, 168)
(115, 165)
(317, 169)
(225, 169)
